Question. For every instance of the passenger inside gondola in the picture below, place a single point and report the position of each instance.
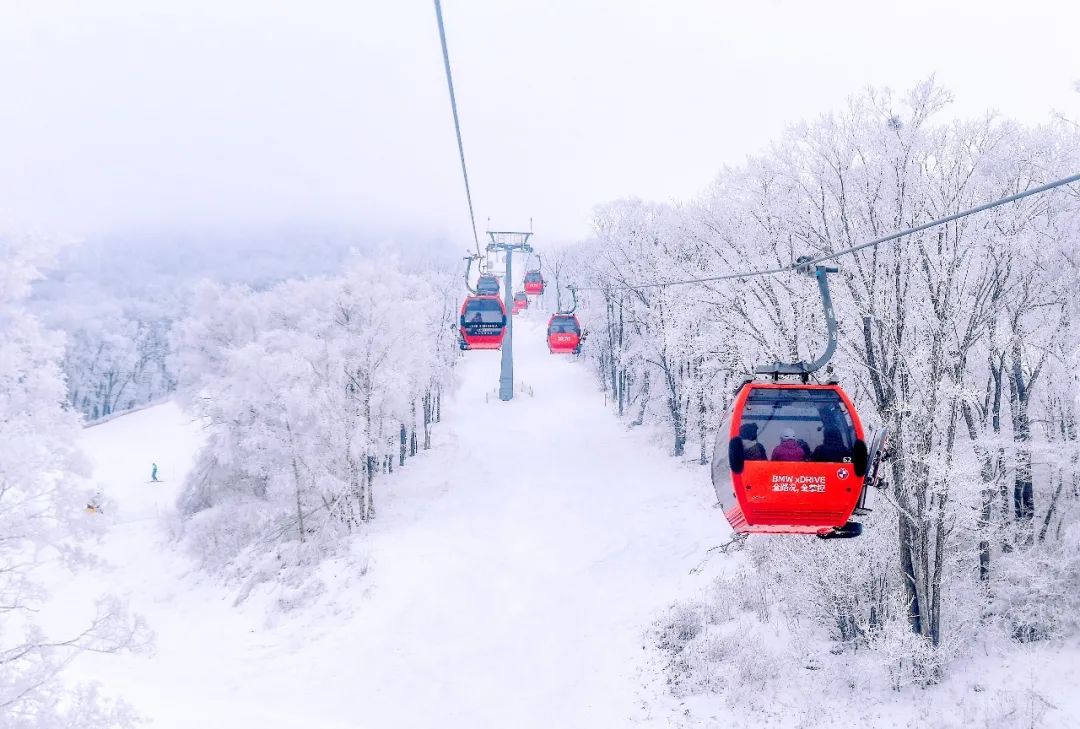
(832, 448)
(752, 450)
(791, 448)
(793, 425)
(483, 311)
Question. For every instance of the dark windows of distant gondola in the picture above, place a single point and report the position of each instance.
(564, 334)
(483, 311)
(487, 285)
(564, 325)
(534, 283)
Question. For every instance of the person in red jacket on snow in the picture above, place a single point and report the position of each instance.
(790, 449)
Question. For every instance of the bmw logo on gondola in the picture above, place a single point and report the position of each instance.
(841, 473)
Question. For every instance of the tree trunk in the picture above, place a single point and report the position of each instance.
(296, 483)
(412, 431)
(908, 577)
(703, 458)
(644, 401)
(1020, 389)
(1023, 503)
(427, 420)
(678, 426)
(989, 462)
(675, 410)
(368, 507)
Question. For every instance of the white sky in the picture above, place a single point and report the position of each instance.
(168, 115)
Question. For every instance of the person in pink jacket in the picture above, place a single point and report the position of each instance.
(790, 449)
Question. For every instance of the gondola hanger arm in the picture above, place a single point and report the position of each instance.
(802, 368)
(468, 270)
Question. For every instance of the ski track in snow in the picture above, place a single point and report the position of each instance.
(514, 571)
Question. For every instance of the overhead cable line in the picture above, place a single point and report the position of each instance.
(807, 263)
(457, 124)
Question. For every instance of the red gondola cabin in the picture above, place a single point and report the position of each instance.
(790, 458)
(534, 283)
(564, 334)
(483, 322)
(521, 302)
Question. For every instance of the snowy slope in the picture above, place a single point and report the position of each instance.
(509, 581)
(122, 450)
(512, 572)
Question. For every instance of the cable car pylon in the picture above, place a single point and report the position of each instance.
(508, 242)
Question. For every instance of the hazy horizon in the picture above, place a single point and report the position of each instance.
(124, 119)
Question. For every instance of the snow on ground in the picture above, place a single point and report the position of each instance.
(123, 450)
(513, 571)
(510, 580)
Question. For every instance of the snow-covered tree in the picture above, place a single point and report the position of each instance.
(116, 350)
(311, 390)
(41, 515)
(957, 338)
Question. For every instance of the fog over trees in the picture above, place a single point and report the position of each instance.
(117, 297)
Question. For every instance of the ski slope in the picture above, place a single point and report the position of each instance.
(507, 581)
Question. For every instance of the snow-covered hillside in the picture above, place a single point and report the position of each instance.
(524, 572)
(508, 580)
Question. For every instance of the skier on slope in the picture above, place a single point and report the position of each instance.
(153, 472)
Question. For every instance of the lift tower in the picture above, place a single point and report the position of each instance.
(508, 242)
